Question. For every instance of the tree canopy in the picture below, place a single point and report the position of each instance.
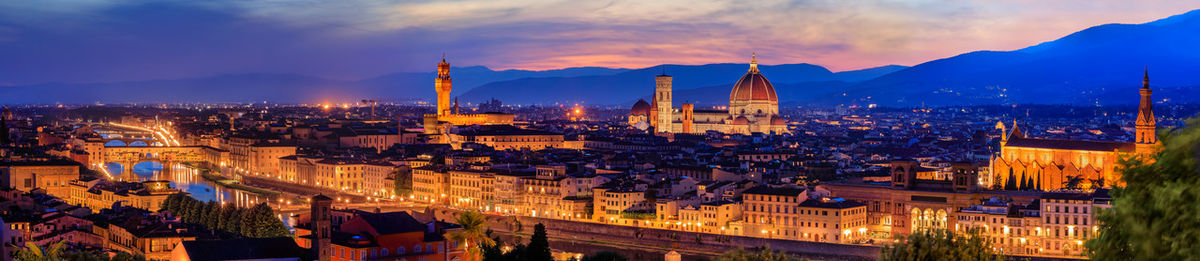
(1154, 216)
(258, 221)
(939, 244)
(765, 254)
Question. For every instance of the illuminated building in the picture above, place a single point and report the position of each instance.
(437, 123)
(54, 176)
(753, 107)
(1026, 163)
(99, 194)
(789, 213)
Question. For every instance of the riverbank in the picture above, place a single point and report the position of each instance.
(206, 173)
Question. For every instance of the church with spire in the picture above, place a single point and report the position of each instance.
(753, 107)
(1026, 163)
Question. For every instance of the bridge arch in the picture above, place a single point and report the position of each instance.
(115, 143)
(138, 143)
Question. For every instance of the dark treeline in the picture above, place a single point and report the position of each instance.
(257, 222)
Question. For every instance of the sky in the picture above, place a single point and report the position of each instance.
(124, 40)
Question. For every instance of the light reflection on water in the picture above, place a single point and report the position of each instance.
(188, 179)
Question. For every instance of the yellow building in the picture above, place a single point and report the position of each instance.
(345, 175)
(753, 107)
(789, 213)
(1048, 164)
(430, 184)
(504, 137)
(97, 194)
(54, 176)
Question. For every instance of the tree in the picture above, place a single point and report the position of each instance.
(1011, 183)
(473, 236)
(233, 224)
(264, 224)
(210, 214)
(1073, 182)
(765, 254)
(539, 245)
(1024, 181)
(1154, 216)
(33, 252)
(939, 244)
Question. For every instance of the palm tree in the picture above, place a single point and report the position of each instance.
(473, 234)
(1098, 182)
(33, 252)
(1073, 182)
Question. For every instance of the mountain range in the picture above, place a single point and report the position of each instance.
(1099, 65)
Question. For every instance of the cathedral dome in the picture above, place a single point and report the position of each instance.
(640, 108)
(741, 120)
(753, 87)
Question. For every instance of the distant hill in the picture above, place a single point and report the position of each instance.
(1080, 68)
(628, 86)
(592, 85)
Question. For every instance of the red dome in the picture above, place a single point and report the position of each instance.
(741, 120)
(753, 87)
(641, 107)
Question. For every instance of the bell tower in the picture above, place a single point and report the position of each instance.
(442, 86)
(662, 95)
(1145, 125)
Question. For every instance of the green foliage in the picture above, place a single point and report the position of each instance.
(1155, 215)
(58, 252)
(473, 234)
(539, 245)
(258, 221)
(1073, 182)
(265, 224)
(765, 254)
(937, 244)
(33, 252)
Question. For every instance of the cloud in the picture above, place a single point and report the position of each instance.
(92, 40)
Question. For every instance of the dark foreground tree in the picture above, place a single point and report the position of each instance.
(1155, 215)
(937, 244)
(539, 245)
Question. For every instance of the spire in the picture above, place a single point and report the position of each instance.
(443, 57)
(753, 62)
(1016, 131)
(1146, 78)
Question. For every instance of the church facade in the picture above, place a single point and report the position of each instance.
(753, 107)
(1026, 163)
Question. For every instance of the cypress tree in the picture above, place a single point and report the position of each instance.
(539, 245)
(264, 224)
(233, 224)
(212, 212)
(1011, 183)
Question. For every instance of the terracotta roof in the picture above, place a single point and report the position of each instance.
(640, 108)
(753, 86)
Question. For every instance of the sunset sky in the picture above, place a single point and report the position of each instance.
(95, 40)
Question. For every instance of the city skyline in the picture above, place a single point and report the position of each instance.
(552, 130)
